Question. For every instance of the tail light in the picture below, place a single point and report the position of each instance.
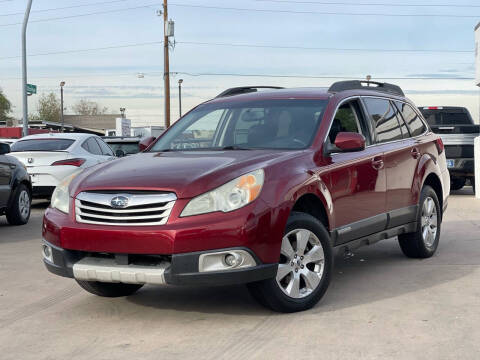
(72, 162)
(440, 146)
(433, 108)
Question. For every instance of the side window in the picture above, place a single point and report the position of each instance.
(247, 119)
(106, 150)
(414, 123)
(403, 125)
(346, 120)
(384, 119)
(92, 146)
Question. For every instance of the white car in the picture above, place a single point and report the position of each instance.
(50, 158)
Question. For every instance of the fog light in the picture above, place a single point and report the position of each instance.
(232, 260)
(47, 253)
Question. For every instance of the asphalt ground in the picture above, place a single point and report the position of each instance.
(380, 305)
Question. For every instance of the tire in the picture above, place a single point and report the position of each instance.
(18, 213)
(417, 245)
(457, 183)
(109, 289)
(312, 277)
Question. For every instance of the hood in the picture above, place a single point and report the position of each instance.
(187, 174)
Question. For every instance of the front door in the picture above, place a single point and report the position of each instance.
(5, 176)
(357, 180)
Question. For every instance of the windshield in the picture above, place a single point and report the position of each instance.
(42, 145)
(127, 148)
(272, 124)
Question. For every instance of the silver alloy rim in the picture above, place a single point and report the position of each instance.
(24, 204)
(429, 222)
(301, 265)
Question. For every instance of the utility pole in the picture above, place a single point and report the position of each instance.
(62, 84)
(166, 64)
(24, 68)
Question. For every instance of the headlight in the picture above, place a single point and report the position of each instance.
(231, 196)
(61, 196)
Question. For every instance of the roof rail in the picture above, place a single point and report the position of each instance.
(245, 90)
(360, 85)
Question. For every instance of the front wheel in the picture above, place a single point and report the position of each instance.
(18, 212)
(424, 241)
(109, 289)
(304, 269)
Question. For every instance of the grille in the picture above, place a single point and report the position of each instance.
(135, 210)
(459, 151)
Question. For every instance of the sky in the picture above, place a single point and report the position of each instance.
(426, 49)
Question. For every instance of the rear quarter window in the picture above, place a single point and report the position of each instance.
(42, 145)
(414, 123)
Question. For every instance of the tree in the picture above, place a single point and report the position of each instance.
(87, 107)
(5, 109)
(48, 107)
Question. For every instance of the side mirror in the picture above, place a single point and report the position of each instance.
(146, 142)
(119, 153)
(4, 148)
(350, 142)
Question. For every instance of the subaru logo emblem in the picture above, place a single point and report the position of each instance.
(119, 202)
(30, 160)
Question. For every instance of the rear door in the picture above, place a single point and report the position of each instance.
(357, 179)
(5, 177)
(392, 137)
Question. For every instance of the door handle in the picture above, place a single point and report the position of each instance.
(377, 163)
(415, 153)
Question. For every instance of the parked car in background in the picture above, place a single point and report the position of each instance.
(123, 145)
(456, 128)
(15, 188)
(257, 188)
(50, 158)
(8, 141)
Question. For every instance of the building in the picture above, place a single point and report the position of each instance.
(96, 122)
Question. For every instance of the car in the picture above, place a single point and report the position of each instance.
(455, 126)
(258, 188)
(123, 145)
(15, 188)
(7, 141)
(51, 157)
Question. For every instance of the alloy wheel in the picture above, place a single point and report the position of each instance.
(302, 263)
(24, 204)
(429, 222)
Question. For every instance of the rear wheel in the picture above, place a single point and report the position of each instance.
(18, 212)
(304, 268)
(424, 241)
(457, 183)
(109, 289)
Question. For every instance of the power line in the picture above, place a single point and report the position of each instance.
(324, 48)
(86, 50)
(66, 7)
(369, 4)
(83, 15)
(198, 43)
(309, 12)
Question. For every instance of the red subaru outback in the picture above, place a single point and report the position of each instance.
(255, 187)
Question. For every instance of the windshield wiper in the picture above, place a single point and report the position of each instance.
(233, 147)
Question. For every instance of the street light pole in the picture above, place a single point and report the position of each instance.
(62, 84)
(24, 68)
(166, 65)
(180, 96)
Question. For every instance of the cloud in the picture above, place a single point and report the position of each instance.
(442, 92)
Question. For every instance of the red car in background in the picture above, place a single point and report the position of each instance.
(255, 187)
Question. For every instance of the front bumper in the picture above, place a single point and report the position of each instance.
(177, 269)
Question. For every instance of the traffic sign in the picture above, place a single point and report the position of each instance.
(31, 89)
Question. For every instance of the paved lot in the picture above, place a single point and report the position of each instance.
(380, 305)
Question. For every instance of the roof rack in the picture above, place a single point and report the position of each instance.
(245, 90)
(357, 85)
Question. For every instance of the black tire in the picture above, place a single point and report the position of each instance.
(472, 182)
(18, 212)
(109, 289)
(457, 183)
(414, 245)
(270, 294)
